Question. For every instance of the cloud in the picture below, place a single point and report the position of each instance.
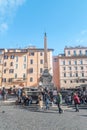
(3, 27)
(83, 32)
(80, 40)
(7, 12)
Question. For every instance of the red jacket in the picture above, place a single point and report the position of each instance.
(76, 99)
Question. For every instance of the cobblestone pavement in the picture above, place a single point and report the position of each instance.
(17, 118)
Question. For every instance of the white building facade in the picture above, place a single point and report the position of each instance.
(73, 67)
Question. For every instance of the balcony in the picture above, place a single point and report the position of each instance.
(18, 80)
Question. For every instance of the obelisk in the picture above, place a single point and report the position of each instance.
(46, 77)
(45, 52)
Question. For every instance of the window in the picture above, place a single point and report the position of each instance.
(70, 74)
(81, 62)
(86, 52)
(41, 70)
(5, 57)
(24, 58)
(16, 58)
(69, 62)
(31, 70)
(41, 61)
(16, 66)
(75, 62)
(64, 74)
(10, 80)
(68, 53)
(76, 68)
(82, 74)
(70, 81)
(11, 64)
(5, 63)
(83, 81)
(77, 81)
(31, 79)
(24, 76)
(69, 68)
(31, 54)
(55, 60)
(11, 71)
(12, 57)
(41, 53)
(4, 80)
(64, 81)
(4, 71)
(0, 61)
(80, 52)
(81, 67)
(31, 61)
(74, 53)
(24, 66)
(15, 75)
(64, 68)
(76, 74)
(63, 62)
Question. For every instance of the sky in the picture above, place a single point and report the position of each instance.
(24, 22)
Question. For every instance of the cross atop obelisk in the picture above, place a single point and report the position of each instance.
(45, 52)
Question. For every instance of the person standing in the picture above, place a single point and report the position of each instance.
(40, 99)
(4, 93)
(59, 102)
(19, 94)
(47, 100)
(76, 101)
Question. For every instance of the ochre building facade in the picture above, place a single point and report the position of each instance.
(23, 67)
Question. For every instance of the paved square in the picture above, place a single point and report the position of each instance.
(16, 118)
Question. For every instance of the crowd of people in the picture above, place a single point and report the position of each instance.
(49, 97)
(82, 96)
(45, 97)
(76, 97)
